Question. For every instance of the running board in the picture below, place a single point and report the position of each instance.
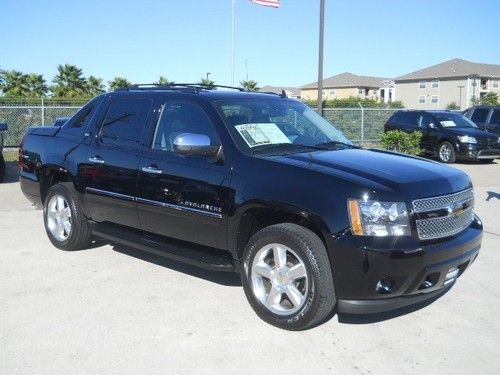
(193, 254)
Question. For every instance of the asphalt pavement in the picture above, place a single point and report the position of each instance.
(112, 310)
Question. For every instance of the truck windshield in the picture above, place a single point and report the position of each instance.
(276, 123)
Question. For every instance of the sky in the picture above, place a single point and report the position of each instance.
(184, 39)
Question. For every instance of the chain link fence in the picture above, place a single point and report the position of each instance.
(361, 125)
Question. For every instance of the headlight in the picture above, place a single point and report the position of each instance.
(373, 218)
(466, 139)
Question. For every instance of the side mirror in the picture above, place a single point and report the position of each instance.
(195, 145)
(432, 126)
(3, 126)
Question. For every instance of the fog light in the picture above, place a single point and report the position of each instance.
(451, 275)
(385, 286)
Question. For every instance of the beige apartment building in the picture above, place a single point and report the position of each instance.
(456, 81)
(346, 85)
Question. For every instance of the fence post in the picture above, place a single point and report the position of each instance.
(362, 124)
(43, 112)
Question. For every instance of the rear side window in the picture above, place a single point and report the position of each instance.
(396, 118)
(480, 115)
(411, 119)
(495, 117)
(125, 120)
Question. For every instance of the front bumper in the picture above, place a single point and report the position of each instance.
(383, 274)
(470, 151)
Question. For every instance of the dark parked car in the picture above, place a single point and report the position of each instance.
(3, 127)
(447, 135)
(485, 117)
(258, 184)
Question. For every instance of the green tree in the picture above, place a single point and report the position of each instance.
(207, 82)
(69, 82)
(162, 80)
(249, 85)
(475, 101)
(15, 84)
(491, 98)
(95, 86)
(37, 85)
(453, 106)
(118, 82)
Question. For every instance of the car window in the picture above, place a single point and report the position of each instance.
(480, 114)
(177, 118)
(425, 120)
(83, 116)
(495, 117)
(411, 119)
(125, 121)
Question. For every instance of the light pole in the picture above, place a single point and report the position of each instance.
(320, 56)
(460, 87)
(208, 73)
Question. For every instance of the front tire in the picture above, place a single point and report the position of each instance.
(287, 277)
(65, 223)
(446, 153)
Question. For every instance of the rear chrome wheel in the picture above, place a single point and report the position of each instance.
(279, 279)
(59, 217)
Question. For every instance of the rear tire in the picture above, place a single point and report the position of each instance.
(65, 223)
(446, 153)
(287, 277)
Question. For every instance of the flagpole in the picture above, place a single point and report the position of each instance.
(320, 57)
(233, 42)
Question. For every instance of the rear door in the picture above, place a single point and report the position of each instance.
(183, 197)
(113, 161)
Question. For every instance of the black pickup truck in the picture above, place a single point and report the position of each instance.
(257, 184)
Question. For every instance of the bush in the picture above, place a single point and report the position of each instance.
(399, 141)
(453, 106)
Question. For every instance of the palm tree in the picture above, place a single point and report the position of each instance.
(207, 82)
(118, 82)
(249, 85)
(163, 81)
(69, 82)
(15, 84)
(37, 85)
(95, 86)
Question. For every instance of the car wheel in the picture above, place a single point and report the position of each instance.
(287, 277)
(65, 223)
(446, 153)
(2, 168)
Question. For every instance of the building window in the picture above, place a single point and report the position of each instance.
(435, 84)
(361, 91)
(434, 99)
(332, 91)
(423, 84)
(421, 99)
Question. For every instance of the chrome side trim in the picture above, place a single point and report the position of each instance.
(110, 194)
(153, 203)
(179, 207)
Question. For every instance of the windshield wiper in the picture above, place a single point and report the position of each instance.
(326, 145)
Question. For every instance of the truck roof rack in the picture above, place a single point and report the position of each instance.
(175, 86)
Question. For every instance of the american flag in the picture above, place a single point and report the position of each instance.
(267, 3)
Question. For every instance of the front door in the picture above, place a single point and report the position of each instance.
(113, 161)
(183, 197)
(430, 130)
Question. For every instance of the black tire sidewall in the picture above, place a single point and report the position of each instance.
(302, 318)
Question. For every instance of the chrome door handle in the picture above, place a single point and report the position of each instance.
(152, 170)
(96, 160)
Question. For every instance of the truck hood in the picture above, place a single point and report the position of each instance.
(379, 170)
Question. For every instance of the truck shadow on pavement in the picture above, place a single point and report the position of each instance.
(11, 172)
(222, 278)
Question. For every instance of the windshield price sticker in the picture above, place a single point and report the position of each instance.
(261, 134)
(448, 123)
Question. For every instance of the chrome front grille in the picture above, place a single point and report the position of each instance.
(451, 214)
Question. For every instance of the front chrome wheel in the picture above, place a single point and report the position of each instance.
(279, 279)
(59, 218)
(445, 152)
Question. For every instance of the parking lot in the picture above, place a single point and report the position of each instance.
(111, 310)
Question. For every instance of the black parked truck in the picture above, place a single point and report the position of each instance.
(257, 184)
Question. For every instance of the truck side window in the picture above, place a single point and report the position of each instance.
(177, 118)
(495, 117)
(124, 122)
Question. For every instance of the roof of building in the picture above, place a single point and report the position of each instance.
(453, 68)
(290, 91)
(348, 80)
